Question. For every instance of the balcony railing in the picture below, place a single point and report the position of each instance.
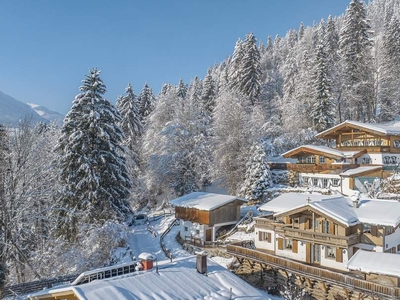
(315, 273)
(314, 168)
(308, 235)
(322, 238)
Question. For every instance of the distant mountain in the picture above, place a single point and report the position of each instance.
(47, 114)
(12, 110)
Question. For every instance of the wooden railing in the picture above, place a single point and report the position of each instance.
(162, 245)
(315, 273)
(310, 168)
(324, 238)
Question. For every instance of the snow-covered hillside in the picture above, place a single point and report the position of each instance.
(47, 114)
(12, 110)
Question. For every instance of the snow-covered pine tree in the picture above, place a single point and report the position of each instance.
(94, 177)
(208, 93)
(250, 69)
(258, 176)
(182, 89)
(389, 82)
(355, 50)
(322, 111)
(128, 107)
(146, 102)
(234, 74)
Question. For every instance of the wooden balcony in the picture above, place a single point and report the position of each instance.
(268, 224)
(315, 273)
(308, 235)
(321, 168)
(322, 238)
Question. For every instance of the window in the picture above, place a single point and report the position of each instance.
(264, 236)
(335, 181)
(330, 252)
(366, 228)
(296, 222)
(186, 229)
(315, 181)
(288, 244)
(311, 159)
(322, 159)
(307, 159)
(325, 182)
(325, 226)
(396, 143)
(389, 230)
(366, 160)
(393, 159)
(386, 160)
(197, 231)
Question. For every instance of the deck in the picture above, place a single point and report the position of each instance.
(315, 273)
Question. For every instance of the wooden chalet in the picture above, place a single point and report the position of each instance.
(317, 236)
(202, 214)
(356, 152)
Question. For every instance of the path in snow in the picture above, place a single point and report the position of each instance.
(141, 240)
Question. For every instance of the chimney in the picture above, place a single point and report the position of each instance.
(201, 262)
(308, 199)
(147, 260)
(355, 199)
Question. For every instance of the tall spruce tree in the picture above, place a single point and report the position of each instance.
(146, 102)
(128, 107)
(355, 49)
(322, 110)
(94, 177)
(250, 69)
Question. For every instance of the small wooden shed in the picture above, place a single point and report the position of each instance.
(202, 214)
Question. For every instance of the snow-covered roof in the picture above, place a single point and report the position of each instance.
(289, 201)
(281, 160)
(391, 128)
(375, 262)
(359, 170)
(324, 149)
(204, 201)
(371, 211)
(379, 212)
(177, 280)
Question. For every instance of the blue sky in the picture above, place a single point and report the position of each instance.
(47, 46)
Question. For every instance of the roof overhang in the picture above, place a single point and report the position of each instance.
(310, 208)
(346, 125)
(302, 150)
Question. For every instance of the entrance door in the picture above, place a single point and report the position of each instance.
(208, 234)
(317, 253)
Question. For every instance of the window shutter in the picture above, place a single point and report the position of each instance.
(260, 236)
(294, 246)
(374, 230)
(331, 228)
(280, 243)
(307, 224)
(339, 257)
(269, 237)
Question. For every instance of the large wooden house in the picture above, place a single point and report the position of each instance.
(355, 153)
(327, 230)
(202, 214)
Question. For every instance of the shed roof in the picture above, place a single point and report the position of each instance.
(375, 262)
(204, 201)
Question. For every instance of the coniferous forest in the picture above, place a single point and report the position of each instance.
(67, 194)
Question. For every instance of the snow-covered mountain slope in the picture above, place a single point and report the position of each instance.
(12, 110)
(48, 114)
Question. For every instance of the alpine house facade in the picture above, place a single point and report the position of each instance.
(327, 230)
(355, 153)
